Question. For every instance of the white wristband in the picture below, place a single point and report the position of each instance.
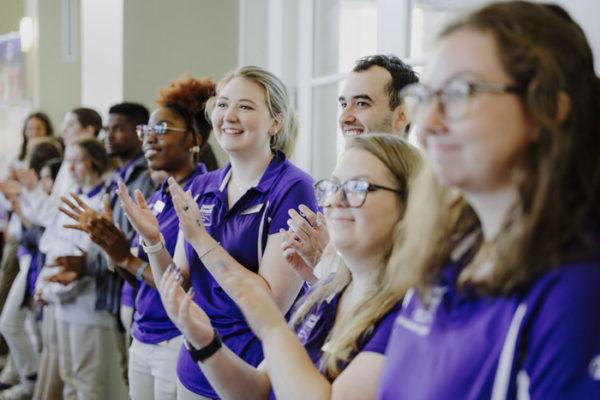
(155, 248)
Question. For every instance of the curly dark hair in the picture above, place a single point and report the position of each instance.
(187, 96)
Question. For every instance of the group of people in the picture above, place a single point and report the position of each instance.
(465, 268)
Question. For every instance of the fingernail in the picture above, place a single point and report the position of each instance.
(190, 291)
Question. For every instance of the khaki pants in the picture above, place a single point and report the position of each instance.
(49, 385)
(9, 268)
(90, 364)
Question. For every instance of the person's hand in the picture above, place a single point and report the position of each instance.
(100, 227)
(16, 207)
(11, 188)
(63, 277)
(190, 220)
(303, 243)
(75, 264)
(38, 297)
(260, 310)
(27, 177)
(139, 215)
(79, 212)
(303, 269)
(187, 316)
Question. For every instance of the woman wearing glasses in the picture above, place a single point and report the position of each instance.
(339, 332)
(177, 132)
(506, 265)
(232, 219)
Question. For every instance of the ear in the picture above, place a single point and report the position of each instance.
(399, 120)
(276, 126)
(563, 108)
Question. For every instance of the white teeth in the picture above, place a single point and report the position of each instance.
(231, 131)
(352, 132)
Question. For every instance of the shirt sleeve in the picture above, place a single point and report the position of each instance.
(377, 343)
(562, 348)
(300, 192)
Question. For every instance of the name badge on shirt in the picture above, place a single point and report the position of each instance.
(253, 209)
(206, 211)
(158, 207)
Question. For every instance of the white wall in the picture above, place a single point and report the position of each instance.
(101, 54)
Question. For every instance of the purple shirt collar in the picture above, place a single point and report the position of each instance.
(271, 173)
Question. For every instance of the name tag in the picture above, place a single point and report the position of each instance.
(158, 207)
(253, 209)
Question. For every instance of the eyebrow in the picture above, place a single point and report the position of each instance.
(365, 177)
(357, 97)
(239, 101)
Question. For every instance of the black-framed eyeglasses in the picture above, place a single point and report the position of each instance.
(453, 98)
(354, 191)
(158, 129)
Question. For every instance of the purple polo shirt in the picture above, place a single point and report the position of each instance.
(243, 231)
(543, 341)
(151, 323)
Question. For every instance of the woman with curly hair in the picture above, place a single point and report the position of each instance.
(176, 135)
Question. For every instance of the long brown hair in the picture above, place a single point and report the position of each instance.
(402, 161)
(558, 175)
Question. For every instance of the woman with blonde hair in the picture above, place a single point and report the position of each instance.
(504, 254)
(237, 212)
(334, 345)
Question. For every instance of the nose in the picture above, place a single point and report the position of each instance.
(337, 199)
(430, 119)
(347, 116)
(230, 114)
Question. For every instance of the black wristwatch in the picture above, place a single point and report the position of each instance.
(199, 355)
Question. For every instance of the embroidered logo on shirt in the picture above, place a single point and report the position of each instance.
(307, 326)
(421, 318)
(594, 368)
(206, 211)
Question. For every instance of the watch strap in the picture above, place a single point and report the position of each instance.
(200, 355)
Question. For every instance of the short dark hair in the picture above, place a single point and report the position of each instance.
(402, 74)
(88, 117)
(136, 114)
(54, 166)
(45, 149)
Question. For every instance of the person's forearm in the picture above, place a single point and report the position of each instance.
(221, 265)
(133, 264)
(291, 371)
(159, 262)
(233, 378)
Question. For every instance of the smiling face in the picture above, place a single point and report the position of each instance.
(241, 120)
(171, 151)
(366, 231)
(365, 103)
(477, 152)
